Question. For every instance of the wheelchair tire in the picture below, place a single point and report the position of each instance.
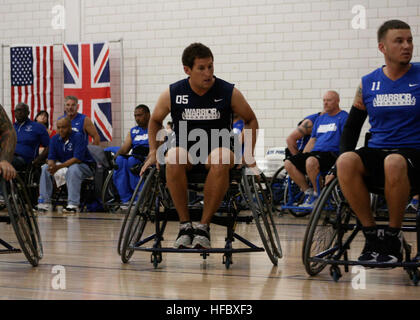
(260, 206)
(109, 195)
(138, 217)
(277, 187)
(23, 220)
(131, 205)
(298, 195)
(323, 228)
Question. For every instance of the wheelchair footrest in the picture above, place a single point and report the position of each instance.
(201, 251)
(13, 250)
(405, 264)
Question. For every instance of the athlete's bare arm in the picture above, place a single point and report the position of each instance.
(243, 109)
(304, 129)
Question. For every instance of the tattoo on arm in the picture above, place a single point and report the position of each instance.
(7, 137)
(358, 99)
(306, 127)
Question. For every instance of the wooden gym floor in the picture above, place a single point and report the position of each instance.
(85, 245)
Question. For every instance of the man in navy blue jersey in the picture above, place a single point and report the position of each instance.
(390, 96)
(199, 104)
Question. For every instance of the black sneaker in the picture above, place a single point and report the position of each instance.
(372, 246)
(201, 238)
(70, 209)
(185, 236)
(392, 249)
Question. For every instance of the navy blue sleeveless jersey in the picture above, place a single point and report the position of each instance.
(393, 108)
(209, 111)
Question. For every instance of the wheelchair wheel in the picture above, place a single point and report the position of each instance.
(138, 217)
(109, 195)
(23, 220)
(257, 194)
(278, 187)
(326, 226)
(293, 196)
(131, 206)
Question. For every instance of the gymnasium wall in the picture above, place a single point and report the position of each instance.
(281, 54)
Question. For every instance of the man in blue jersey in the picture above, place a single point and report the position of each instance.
(68, 149)
(30, 135)
(136, 140)
(321, 151)
(80, 122)
(199, 104)
(299, 137)
(390, 96)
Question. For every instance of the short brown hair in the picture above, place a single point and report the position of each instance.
(389, 25)
(195, 50)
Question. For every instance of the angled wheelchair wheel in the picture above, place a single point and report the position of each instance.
(293, 196)
(131, 206)
(326, 228)
(139, 215)
(278, 187)
(109, 195)
(257, 194)
(23, 220)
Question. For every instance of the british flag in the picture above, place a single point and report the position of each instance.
(86, 76)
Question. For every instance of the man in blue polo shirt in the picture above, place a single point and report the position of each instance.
(322, 149)
(30, 135)
(138, 141)
(68, 149)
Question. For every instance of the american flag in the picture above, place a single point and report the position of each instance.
(86, 76)
(32, 78)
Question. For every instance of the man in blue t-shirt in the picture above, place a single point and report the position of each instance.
(297, 140)
(321, 151)
(68, 149)
(390, 96)
(136, 140)
(30, 136)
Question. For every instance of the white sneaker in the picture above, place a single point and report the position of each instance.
(71, 209)
(44, 207)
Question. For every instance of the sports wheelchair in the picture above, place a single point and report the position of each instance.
(154, 204)
(109, 195)
(24, 222)
(333, 226)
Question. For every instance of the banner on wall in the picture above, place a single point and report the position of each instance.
(87, 77)
(31, 74)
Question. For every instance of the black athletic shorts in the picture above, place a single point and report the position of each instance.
(326, 160)
(373, 160)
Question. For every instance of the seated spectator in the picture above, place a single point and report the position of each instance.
(42, 117)
(68, 149)
(322, 149)
(298, 138)
(30, 135)
(80, 122)
(136, 140)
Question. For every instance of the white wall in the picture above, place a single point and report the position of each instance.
(282, 54)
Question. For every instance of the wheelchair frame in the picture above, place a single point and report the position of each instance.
(333, 214)
(154, 204)
(24, 222)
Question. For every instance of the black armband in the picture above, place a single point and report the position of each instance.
(352, 128)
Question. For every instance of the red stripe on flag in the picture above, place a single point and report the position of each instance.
(13, 104)
(70, 60)
(52, 87)
(105, 59)
(103, 127)
(38, 97)
(44, 78)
